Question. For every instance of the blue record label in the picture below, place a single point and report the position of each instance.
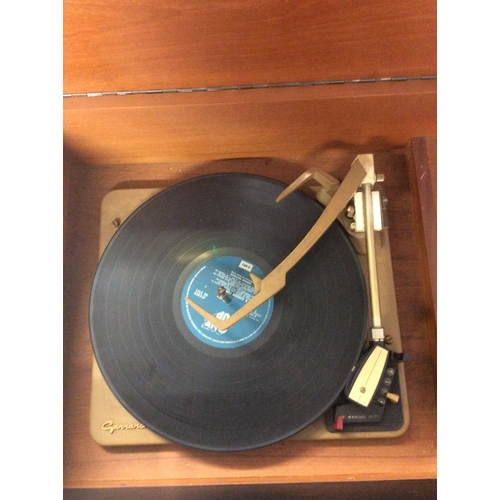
(222, 285)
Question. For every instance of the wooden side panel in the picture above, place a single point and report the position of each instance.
(422, 167)
(293, 122)
(151, 44)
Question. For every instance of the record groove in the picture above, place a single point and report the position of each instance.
(193, 392)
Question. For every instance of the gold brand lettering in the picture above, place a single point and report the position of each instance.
(111, 427)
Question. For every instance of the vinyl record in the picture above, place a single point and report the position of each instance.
(267, 377)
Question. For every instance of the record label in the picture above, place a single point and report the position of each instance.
(223, 285)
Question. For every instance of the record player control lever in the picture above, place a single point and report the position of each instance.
(339, 423)
(393, 398)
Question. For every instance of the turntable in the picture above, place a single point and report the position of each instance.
(230, 312)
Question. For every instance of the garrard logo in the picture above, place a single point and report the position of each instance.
(111, 427)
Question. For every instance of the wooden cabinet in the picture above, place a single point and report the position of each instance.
(160, 91)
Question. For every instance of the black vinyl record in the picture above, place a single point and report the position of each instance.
(210, 389)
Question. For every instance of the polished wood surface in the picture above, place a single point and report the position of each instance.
(285, 122)
(88, 465)
(422, 163)
(158, 44)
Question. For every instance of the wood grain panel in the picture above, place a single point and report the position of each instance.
(422, 160)
(88, 465)
(291, 122)
(151, 44)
